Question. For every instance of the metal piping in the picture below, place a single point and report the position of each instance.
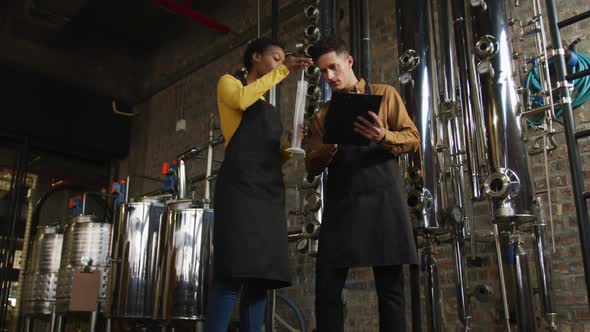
(415, 298)
(572, 143)
(274, 33)
(469, 96)
(355, 44)
(461, 285)
(207, 198)
(509, 184)
(418, 89)
(447, 53)
(543, 260)
(365, 41)
(524, 310)
(502, 277)
(432, 288)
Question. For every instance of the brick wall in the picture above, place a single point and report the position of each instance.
(155, 140)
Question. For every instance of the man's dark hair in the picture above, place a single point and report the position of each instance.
(258, 46)
(327, 45)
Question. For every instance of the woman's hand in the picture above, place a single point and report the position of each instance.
(294, 62)
(301, 133)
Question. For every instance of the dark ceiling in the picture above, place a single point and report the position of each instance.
(130, 28)
(100, 42)
(64, 61)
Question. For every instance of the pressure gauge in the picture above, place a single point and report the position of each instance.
(86, 261)
(485, 68)
(302, 245)
(405, 78)
(457, 214)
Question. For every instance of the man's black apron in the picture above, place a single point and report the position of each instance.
(250, 233)
(366, 220)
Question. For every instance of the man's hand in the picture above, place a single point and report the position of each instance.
(374, 131)
(294, 62)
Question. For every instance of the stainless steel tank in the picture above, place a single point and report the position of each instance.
(41, 277)
(185, 270)
(85, 246)
(419, 90)
(132, 284)
(509, 184)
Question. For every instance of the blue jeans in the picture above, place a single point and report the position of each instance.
(222, 297)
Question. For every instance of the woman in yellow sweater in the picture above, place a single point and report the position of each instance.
(250, 234)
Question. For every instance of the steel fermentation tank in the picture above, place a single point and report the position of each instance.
(185, 270)
(42, 272)
(86, 246)
(132, 284)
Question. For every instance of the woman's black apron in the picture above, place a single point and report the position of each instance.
(366, 220)
(250, 233)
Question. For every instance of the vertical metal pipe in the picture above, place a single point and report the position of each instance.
(415, 299)
(353, 15)
(25, 250)
(93, 321)
(53, 319)
(327, 19)
(4, 247)
(127, 184)
(199, 326)
(543, 261)
(84, 203)
(544, 75)
(469, 95)
(207, 199)
(457, 150)
(60, 323)
(328, 28)
(524, 294)
(365, 41)
(269, 312)
(28, 324)
(9, 246)
(572, 143)
(109, 325)
(461, 277)
(447, 51)
(432, 289)
(502, 277)
(275, 92)
(181, 179)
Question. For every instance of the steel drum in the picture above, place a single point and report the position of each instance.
(132, 284)
(86, 245)
(41, 278)
(186, 265)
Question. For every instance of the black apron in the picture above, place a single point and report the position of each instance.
(250, 234)
(366, 220)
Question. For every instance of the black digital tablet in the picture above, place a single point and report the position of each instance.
(342, 113)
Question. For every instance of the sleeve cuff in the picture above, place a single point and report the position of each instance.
(283, 69)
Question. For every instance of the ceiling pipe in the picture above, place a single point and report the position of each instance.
(196, 16)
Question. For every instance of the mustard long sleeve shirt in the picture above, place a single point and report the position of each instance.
(233, 98)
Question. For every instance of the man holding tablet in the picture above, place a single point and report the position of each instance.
(366, 220)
